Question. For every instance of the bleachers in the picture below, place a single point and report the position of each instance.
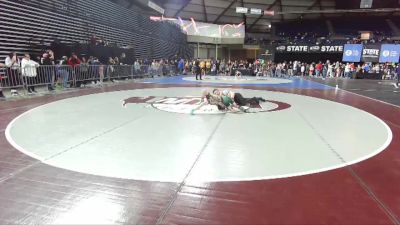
(343, 31)
(25, 24)
(352, 27)
(293, 28)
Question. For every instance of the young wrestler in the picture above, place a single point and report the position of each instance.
(213, 99)
(238, 98)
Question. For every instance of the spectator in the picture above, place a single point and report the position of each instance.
(325, 70)
(181, 66)
(47, 61)
(303, 69)
(318, 69)
(83, 71)
(2, 97)
(111, 69)
(208, 67)
(366, 68)
(290, 69)
(74, 63)
(95, 70)
(74, 60)
(63, 72)
(338, 70)
(330, 70)
(93, 40)
(13, 65)
(203, 68)
(28, 70)
(197, 69)
(312, 68)
(347, 70)
(137, 67)
(123, 60)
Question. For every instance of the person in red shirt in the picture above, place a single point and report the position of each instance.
(352, 70)
(318, 69)
(74, 62)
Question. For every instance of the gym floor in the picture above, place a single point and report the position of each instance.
(315, 155)
(384, 90)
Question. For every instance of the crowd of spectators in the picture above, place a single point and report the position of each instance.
(333, 69)
(312, 38)
(74, 71)
(78, 71)
(318, 32)
(216, 67)
(323, 70)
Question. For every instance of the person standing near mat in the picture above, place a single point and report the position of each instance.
(28, 71)
(208, 67)
(398, 75)
(12, 63)
(202, 68)
(2, 97)
(197, 69)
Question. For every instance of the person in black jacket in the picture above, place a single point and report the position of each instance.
(47, 62)
(197, 69)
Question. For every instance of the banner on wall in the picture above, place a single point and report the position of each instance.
(389, 53)
(310, 48)
(370, 53)
(352, 52)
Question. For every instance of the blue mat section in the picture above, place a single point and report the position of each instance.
(296, 83)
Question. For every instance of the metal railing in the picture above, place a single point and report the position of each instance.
(66, 76)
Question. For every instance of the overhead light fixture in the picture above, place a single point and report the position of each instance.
(241, 10)
(366, 4)
(269, 12)
(255, 11)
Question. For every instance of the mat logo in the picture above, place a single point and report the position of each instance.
(194, 105)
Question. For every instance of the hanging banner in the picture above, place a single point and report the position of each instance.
(370, 53)
(256, 11)
(297, 48)
(389, 53)
(352, 52)
(310, 48)
(332, 48)
(242, 10)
